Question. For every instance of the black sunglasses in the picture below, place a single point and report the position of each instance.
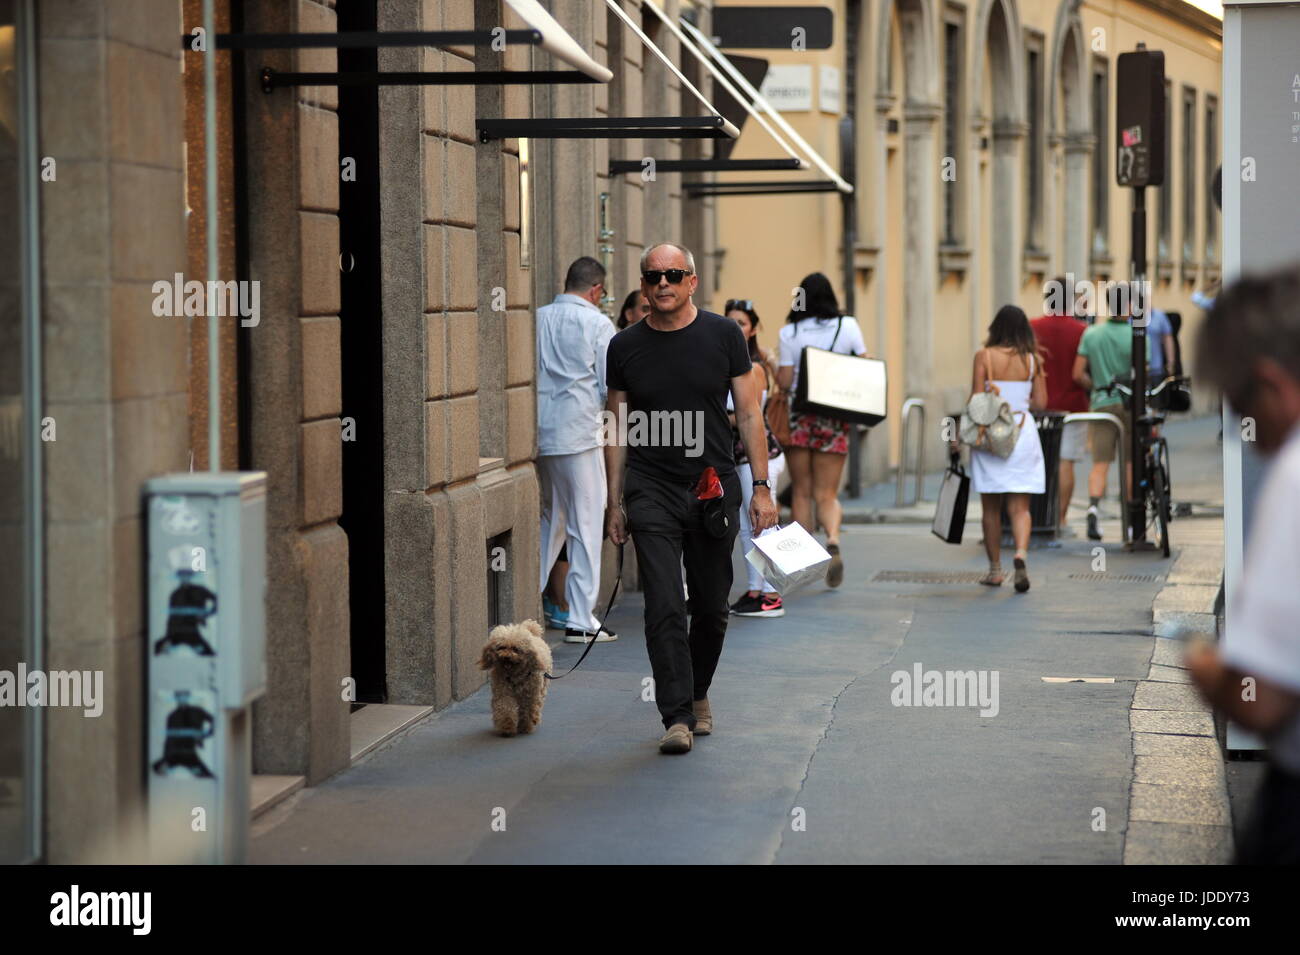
(674, 276)
(744, 304)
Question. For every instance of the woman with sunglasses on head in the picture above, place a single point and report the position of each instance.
(818, 445)
(635, 307)
(760, 600)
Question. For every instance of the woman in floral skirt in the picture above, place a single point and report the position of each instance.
(818, 445)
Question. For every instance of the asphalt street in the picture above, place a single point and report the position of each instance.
(811, 761)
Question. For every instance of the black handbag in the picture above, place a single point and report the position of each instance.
(950, 512)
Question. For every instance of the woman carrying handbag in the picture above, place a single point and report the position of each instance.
(817, 446)
(1006, 460)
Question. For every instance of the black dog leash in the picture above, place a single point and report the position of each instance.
(618, 579)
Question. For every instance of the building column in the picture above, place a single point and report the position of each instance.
(975, 193)
(874, 228)
(564, 168)
(301, 725)
(1008, 229)
(879, 212)
(1078, 160)
(921, 271)
(115, 391)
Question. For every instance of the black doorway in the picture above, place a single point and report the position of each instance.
(362, 355)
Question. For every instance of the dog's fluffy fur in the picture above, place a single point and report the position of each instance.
(516, 657)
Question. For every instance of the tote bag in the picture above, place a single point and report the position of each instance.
(843, 387)
(950, 512)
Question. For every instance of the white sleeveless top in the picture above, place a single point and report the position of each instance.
(1022, 472)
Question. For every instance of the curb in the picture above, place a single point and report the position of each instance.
(1178, 802)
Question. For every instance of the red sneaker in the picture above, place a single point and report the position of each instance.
(767, 607)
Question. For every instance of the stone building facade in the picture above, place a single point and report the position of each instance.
(387, 387)
(984, 166)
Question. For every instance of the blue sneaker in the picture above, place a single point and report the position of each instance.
(556, 618)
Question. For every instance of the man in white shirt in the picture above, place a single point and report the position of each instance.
(572, 338)
(1250, 347)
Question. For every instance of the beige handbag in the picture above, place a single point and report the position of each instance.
(988, 423)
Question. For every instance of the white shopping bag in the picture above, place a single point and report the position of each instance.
(788, 557)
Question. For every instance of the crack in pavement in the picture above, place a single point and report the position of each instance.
(835, 700)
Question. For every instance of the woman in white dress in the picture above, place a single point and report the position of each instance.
(1009, 364)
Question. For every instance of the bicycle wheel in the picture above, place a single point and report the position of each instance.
(1158, 507)
(1162, 458)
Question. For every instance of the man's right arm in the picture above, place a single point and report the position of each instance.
(615, 456)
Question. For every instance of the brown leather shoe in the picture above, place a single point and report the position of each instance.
(703, 717)
(676, 740)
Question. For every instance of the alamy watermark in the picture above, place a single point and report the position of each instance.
(1081, 297)
(919, 687)
(130, 909)
(653, 429)
(221, 299)
(74, 688)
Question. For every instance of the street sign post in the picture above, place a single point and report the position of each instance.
(1140, 140)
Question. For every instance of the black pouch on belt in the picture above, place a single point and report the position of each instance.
(716, 521)
(709, 491)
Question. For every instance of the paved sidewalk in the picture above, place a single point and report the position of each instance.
(812, 759)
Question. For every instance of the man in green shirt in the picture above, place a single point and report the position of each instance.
(1105, 353)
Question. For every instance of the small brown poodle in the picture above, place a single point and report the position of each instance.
(517, 657)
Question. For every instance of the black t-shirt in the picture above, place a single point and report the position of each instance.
(677, 385)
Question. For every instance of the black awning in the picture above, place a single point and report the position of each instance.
(617, 166)
(605, 127)
(587, 71)
(765, 188)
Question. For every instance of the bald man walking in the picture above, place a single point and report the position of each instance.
(677, 366)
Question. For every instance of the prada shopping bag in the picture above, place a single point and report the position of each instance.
(844, 387)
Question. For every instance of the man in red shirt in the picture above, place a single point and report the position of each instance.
(1058, 333)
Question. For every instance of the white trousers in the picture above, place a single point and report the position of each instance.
(774, 468)
(573, 511)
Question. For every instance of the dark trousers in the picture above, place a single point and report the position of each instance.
(666, 523)
(1272, 835)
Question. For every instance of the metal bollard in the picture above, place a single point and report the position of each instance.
(1123, 451)
(910, 405)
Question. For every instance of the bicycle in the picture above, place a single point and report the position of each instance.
(1156, 485)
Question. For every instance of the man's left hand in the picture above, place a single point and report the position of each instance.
(762, 510)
